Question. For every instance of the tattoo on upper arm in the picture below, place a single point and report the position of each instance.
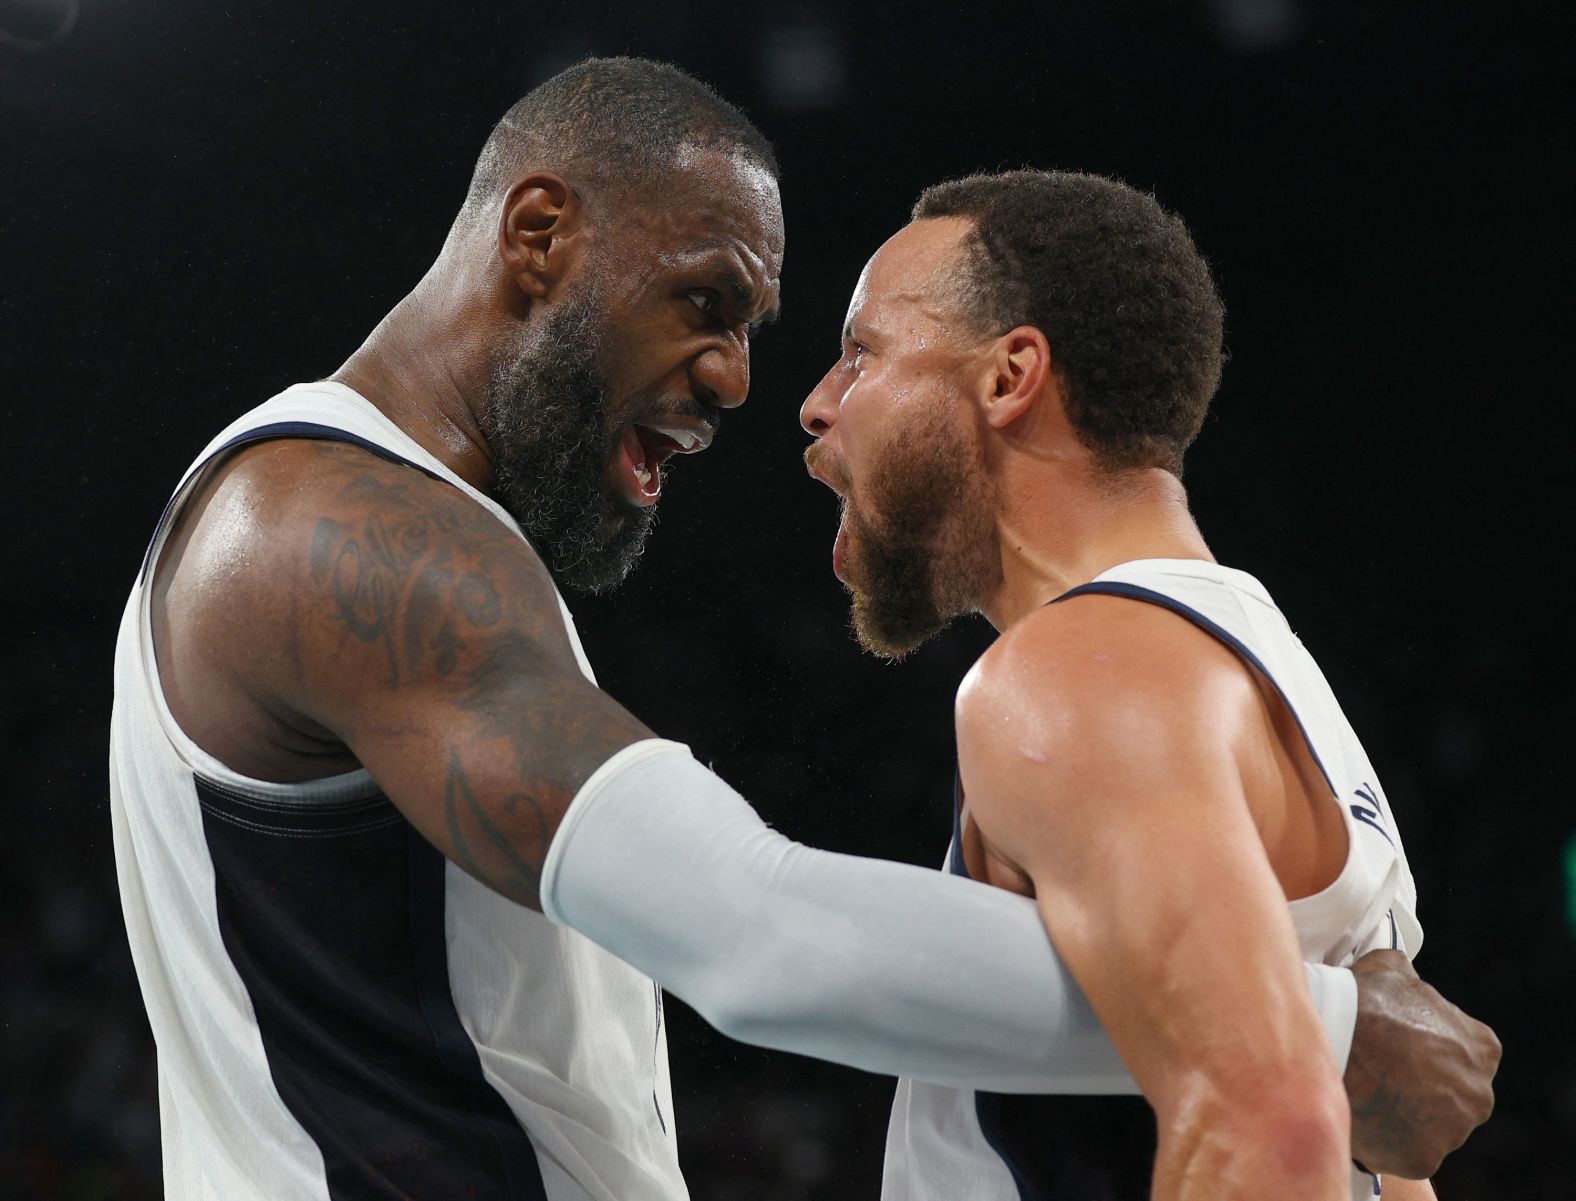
(395, 579)
(520, 876)
(441, 592)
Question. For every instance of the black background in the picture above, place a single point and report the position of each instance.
(201, 203)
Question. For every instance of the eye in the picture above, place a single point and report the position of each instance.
(704, 299)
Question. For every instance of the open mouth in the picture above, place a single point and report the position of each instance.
(646, 445)
(821, 468)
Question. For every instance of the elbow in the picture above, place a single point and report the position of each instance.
(726, 1009)
(760, 1000)
(740, 1000)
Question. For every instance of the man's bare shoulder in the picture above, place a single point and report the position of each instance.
(1098, 688)
(294, 483)
(302, 568)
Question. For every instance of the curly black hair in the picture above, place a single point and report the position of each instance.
(1116, 285)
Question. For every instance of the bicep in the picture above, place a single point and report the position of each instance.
(431, 642)
(1151, 911)
(1151, 879)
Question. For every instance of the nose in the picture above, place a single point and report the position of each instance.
(720, 375)
(818, 413)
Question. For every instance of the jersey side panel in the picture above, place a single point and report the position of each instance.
(224, 1127)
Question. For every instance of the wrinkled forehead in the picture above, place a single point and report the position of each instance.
(715, 213)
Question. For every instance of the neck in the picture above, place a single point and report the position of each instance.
(426, 365)
(1065, 532)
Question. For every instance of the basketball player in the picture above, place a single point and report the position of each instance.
(1147, 749)
(351, 711)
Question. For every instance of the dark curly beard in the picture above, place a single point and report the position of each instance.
(922, 548)
(549, 423)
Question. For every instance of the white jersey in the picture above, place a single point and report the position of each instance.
(339, 1011)
(951, 1144)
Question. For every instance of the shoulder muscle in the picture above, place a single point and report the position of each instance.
(1067, 695)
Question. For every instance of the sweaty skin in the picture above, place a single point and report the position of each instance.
(1121, 767)
(318, 608)
(1118, 764)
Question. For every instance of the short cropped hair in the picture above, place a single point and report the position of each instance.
(1117, 287)
(613, 127)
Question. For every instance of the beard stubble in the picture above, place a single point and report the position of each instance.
(549, 424)
(922, 548)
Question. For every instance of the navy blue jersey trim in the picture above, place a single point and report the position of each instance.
(1067, 1148)
(1136, 592)
(955, 860)
(656, 1058)
(267, 433)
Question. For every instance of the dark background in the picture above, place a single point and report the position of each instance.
(202, 203)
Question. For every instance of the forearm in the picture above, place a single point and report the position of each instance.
(879, 965)
(1285, 1138)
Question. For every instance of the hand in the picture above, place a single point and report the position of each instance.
(1420, 1077)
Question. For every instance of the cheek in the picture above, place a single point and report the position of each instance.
(879, 409)
(865, 409)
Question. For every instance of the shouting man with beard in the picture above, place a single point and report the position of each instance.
(1147, 749)
(351, 713)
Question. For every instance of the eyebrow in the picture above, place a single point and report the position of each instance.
(745, 296)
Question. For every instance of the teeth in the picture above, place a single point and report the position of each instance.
(642, 474)
(686, 438)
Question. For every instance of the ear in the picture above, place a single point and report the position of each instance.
(540, 236)
(1018, 376)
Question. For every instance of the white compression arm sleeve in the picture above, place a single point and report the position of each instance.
(866, 962)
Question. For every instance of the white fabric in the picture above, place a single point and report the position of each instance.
(879, 965)
(935, 1150)
(569, 1036)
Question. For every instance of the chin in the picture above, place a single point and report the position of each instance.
(603, 568)
(891, 643)
(892, 627)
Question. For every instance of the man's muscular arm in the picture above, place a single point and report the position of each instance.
(366, 604)
(1096, 744)
(359, 604)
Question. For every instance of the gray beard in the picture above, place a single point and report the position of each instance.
(551, 432)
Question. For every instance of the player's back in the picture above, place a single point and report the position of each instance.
(993, 1147)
